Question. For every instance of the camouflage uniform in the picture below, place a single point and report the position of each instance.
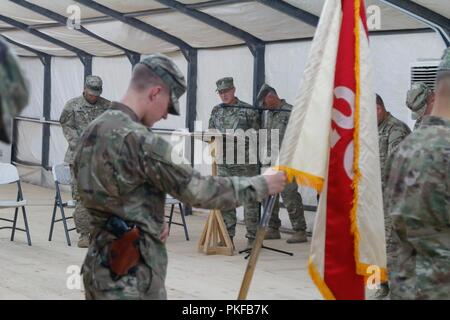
(13, 91)
(417, 198)
(274, 120)
(226, 118)
(124, 169)
(391, 132)
(416, 101)
(75, 117)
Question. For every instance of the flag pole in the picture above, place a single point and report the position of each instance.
(260, 234)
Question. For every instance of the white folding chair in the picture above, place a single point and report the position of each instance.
(61, 176)
(173, 202)
(8, 175)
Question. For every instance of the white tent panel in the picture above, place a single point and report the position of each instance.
(82, 41)
(215, 64)
(67, 83)
(58, 145)
(131, 6)
(34, 74)
(176, 122)
(36, 43)
(22, 14)
(261, 21)
(441, 7)
(19, 51)
(284, 67)
(314, 7)
(130, 38)
(392, 56)
(115, 73)
(29, 141)
(61, 7)
(194, 32)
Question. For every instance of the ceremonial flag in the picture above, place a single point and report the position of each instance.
(331, 144)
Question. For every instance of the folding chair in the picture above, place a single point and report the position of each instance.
(61, 176)
(8, 175)
(173, 202)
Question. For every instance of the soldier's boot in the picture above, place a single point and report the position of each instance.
(272, 234)
(250, 243)
(222, 243)
(83, 242)
(383, 292)
(298, 237)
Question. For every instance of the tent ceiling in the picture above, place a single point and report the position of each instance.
(255, 18)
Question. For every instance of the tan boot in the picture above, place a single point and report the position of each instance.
(250, 243)
(272, 234)
(298, 237)
(83, 242)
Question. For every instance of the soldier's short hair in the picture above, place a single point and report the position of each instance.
(143, 78)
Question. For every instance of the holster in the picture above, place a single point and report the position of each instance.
(124, 252)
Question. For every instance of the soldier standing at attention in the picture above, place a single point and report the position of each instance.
(419, 100)
(417, 198)
(76, 115)
(391, 132)
(228, 117)
(124, 172)
(275, 120)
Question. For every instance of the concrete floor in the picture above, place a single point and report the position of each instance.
(47, 270)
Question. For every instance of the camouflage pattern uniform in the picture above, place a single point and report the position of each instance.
(391, 132)
(417, 99)
(75, 117)
(124, 169)
(278, 120)
(417, 198)
(231, 117)
(14, 92)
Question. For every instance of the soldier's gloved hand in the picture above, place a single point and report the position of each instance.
(164, 233)
(276, 180)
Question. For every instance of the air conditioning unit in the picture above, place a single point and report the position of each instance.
(424, 71)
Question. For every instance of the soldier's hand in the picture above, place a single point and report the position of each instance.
(164, 233)
(276, 180)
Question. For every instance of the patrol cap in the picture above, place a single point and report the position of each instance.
(224, 84)
(445, 63)
(416, 98)
(265, 89)
(94, 85)
(14, 91)
(168, 71)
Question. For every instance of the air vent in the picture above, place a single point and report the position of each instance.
(424, 71)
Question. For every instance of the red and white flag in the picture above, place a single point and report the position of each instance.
(331, 144)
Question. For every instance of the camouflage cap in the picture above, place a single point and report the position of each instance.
(14, 92)
(416, 98)
(172, 76)
(445, 63)
(265, 89)
(94, 85)
(224, 84)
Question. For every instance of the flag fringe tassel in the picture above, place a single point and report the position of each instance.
(302, 178)
(319, 282)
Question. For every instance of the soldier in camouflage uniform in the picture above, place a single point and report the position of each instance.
(417, 198)
(13, 91)
(419, 100)
(226, 118)
(75, 117)
(275, 121)
(391, 132)
(123, 169)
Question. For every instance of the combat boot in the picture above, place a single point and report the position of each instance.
(83, 242)
(272, 234)
(298, 237)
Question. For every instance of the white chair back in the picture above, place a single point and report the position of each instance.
(8, 173)
(61, 174)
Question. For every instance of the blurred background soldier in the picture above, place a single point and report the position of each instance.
(417, 198)
(391, 132)
(275, 121)
(419, 100)
(13, 91)
(225, 117)
(124, 172)
(75, 117)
